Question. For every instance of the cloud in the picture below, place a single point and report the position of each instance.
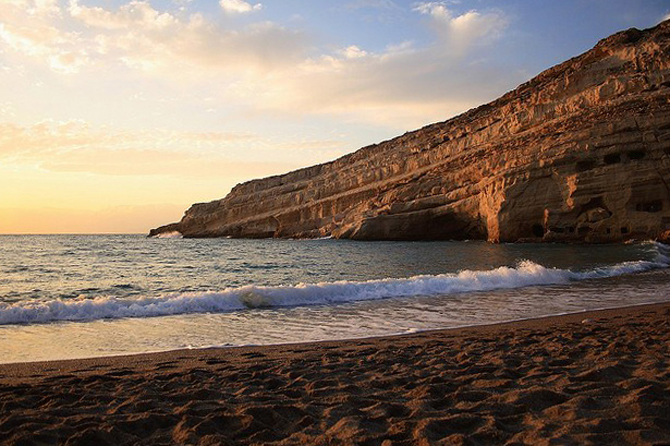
(666, 17)
(45, 7)
(76, 146)
(147, 162)
(402, 86)
(140, 37)
(26, 27)
(352, 52)
(239, 6)
(7, 110)
(134, 13)
(460, 32)
(265, 68)
(144, 38)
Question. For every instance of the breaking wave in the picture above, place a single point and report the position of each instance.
(172, 234)
(525, 274)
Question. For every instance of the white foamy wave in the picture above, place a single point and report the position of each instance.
(234, 299)
(172, 234)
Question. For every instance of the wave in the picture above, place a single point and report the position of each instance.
(525, 274)
(172, 234)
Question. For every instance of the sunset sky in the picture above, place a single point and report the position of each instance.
(117, 115)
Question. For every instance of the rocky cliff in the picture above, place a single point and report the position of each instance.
(579, 153)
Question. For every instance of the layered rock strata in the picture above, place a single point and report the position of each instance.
(579, 153)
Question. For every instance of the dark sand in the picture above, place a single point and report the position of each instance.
(592, 378)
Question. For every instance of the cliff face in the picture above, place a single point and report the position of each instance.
(579, 153)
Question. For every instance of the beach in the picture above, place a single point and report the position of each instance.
(372, 223)
(600, 377)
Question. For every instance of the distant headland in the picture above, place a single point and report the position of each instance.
(580, 153)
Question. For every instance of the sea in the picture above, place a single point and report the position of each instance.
(78, 296)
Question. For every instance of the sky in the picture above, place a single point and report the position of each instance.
(117, 115)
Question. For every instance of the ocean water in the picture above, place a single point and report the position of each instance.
(73, 296)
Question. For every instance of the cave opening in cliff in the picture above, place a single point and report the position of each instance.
(538, 230)
(584, 165)
(636, 154)
(612, 158)
(650, 206)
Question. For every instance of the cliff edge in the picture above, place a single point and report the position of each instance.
(579, 153)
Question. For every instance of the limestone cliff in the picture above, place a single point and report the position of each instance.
(579, 153)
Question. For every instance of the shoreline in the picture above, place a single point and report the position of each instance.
(592, 377)
(382, 337)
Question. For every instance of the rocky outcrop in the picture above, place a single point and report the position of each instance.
(579, 153)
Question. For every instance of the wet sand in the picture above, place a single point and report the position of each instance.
(590, 378)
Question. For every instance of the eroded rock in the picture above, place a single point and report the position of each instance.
(579, 153)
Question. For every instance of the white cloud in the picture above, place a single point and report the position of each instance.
(58, 137)
(239, 6)
(59, 57)
(135, 13)
(35, 7)
(77, 146)
(144, 38)
(45, 7)
(403, 86)
(352, 52)
(666, 17)
(265, 68)
(26, 27)
(7, 110)
(460, 32)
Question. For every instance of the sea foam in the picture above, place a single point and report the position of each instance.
(525, 274)
(172, 234)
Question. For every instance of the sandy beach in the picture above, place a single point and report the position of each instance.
(590, 378)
